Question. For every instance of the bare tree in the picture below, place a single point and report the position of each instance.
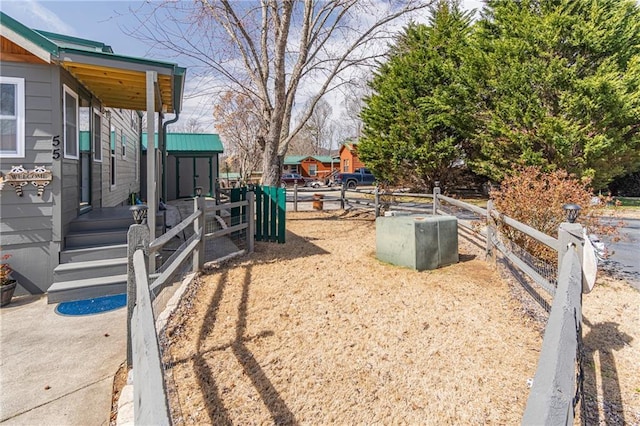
(277, 52)
(353, 102)
(319, 128)
(239, 125)
(192, 125)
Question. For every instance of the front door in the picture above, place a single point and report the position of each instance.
(192, 172)
(86, 130)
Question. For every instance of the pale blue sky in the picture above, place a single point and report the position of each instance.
(106, 21)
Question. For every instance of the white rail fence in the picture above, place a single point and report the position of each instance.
(557, 384)
(145, 287)
(555, 390)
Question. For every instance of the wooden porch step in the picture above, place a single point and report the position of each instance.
(93, 253)
(68, 291)
(89, 269)
(95, 238)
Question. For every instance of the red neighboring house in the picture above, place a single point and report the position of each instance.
(349, 160)
(313, 166)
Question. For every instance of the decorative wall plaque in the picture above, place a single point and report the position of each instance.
(19, 177)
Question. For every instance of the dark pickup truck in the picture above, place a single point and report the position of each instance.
(362, 176)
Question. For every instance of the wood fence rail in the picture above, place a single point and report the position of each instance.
(143, 350)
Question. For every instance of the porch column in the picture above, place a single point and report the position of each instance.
(152, 200)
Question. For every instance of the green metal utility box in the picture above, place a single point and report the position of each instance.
(417, 241)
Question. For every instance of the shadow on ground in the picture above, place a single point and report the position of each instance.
(601, 340)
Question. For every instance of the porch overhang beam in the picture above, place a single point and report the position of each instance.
(152, 202)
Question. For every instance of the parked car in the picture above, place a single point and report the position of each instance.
(289, 179)
(362, 176)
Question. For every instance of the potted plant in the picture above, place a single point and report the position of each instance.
(7, 284)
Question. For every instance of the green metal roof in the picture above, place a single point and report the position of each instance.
(189, 142)
(65, 41)
(81, 57)
(26, 32)
(297, 159)
(230, 175)
(294, 159)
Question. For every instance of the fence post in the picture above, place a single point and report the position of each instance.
(490, 250)
(199, 225)
(551, 399)
(436, 192)
(217, 192)
(295, 196)
(251, 220)
(138, 237)
(376, 198)
(569, 233)
(343, 190)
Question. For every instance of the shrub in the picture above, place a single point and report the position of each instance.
(534, 197)
(5, 270)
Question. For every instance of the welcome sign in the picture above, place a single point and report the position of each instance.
(18, 177)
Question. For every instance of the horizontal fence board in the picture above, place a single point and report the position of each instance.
(406, 194)
(425, 210)
(225, 231)
(159, 242)
(150, 403)
(227, 206)
(528, 230)
(539, 279)
(164, 276)
(462, 204)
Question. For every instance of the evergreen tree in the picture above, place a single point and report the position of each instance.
(560, 87)
(420, 115)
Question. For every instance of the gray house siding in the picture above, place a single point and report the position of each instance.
(32, 228)
(27, 225)
(127, 181)
(70, 191)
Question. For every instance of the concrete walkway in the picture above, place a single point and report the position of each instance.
(57, 370)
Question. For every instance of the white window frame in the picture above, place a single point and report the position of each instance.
(135, 159)
(112, 154)
(123, 140)
(66, 90)
(97, 153)
(19, 117)
(313, 169)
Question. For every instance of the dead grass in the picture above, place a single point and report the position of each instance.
(611, 317)
(318, 331)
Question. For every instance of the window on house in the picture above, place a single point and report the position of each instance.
(124, 144)
(96, 136)
(12, 117)
(70, 120)
(313, 169)
(113, 156)
(345, 165)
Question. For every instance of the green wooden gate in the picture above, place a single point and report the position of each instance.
(270, 213)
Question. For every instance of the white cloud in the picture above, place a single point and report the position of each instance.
(34, 14)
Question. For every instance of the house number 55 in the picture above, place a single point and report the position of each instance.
(56, 143)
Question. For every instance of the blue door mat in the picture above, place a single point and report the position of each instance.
(94, 306)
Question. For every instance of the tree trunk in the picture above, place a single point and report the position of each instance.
(271, 164)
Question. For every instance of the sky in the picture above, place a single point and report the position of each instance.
(109, 22)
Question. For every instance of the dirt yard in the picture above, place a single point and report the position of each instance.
(318, 331)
